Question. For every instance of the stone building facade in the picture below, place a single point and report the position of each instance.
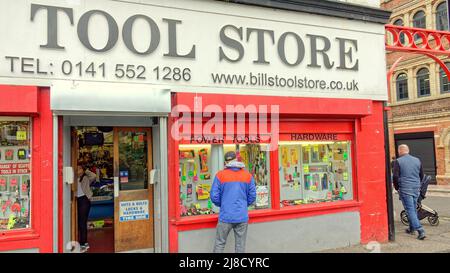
(420, 91)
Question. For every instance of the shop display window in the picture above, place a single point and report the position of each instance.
(198, 165)
(256, 158)
(195, 180)
(314, 172)
(15, 173)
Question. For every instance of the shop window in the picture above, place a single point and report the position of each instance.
(15, 173)
(399, 22)
(423, 82)
(314, 172)
(196, 180)
(402, 87)
(445, 84)
(256, 158)
(441, 17)
(198, 165)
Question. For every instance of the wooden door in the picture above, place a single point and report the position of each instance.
(133, 197)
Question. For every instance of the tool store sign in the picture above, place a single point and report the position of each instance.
(207, 46)
(133, 210)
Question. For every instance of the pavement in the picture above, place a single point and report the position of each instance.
(438, 237)
(441, 190)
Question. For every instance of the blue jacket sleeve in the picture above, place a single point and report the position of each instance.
(251, 194)
(216, 192)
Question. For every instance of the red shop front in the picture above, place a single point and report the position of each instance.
(26, 169)
(321, 185)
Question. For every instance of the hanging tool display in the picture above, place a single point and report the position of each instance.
(324, 172)
(258, 167)
(284, 157)
(203, 158)
(294, 157)
(194, 178)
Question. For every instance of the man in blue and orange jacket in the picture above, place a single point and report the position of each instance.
(233, 190)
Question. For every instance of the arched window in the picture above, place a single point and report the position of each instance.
(402, 87)
(445, 84)
(419, 20)
(399, 22)
(423, 82)
(441, 16)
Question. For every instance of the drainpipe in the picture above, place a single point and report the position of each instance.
(390, 205)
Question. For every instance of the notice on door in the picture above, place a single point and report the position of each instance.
(133, 210)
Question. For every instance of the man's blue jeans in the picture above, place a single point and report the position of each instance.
(410, 205)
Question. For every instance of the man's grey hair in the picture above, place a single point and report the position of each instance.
(403, 147)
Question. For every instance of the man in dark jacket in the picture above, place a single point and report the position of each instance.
(233, 190)
(407, 174)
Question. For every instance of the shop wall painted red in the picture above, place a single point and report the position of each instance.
(371, 176)
(366, 115)
(366, 123)
(33, 102)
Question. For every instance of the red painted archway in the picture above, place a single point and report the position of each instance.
(432, 43)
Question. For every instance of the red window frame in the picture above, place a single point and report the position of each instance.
(345, 131)
(33, 102)
(292, 109)
(344, 128)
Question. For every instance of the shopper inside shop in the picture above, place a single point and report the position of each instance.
(96, 205)
(84, 195)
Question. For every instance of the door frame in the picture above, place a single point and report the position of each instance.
(160, 161)
(399, 137)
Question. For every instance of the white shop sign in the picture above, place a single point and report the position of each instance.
(133, 210)
(202, 46)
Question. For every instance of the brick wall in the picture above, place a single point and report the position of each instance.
(425, 116)
(419, 114)
(390, 5)
(417, 110)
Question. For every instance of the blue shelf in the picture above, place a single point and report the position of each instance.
(101, 209)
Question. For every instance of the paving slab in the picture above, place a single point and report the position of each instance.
(437, 241)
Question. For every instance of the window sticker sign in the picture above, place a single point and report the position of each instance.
(14, 168)
(124, 177)
(133, 210)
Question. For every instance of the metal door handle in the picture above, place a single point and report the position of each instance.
(153, 177)
(116, 187)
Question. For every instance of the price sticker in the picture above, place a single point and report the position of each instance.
(21, 135)
(345, 175)
(13, 182)
(305, 168)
